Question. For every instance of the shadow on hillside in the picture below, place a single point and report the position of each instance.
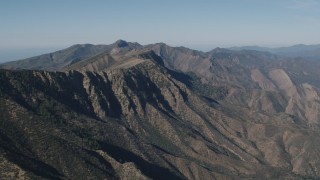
(148, 169)
(15, 155)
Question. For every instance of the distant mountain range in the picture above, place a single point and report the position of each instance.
(65, 57)
(131, 111)
(62, 58)
(309, 52)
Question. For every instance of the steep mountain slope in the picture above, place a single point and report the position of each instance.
(161, 112)
(141, 122)
(257, 80)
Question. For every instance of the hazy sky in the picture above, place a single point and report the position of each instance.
(199, 24)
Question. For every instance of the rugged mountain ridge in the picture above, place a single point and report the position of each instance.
(161, 112)
(257, 80)
(60, 59)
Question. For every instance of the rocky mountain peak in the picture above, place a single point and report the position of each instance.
(121, 43)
